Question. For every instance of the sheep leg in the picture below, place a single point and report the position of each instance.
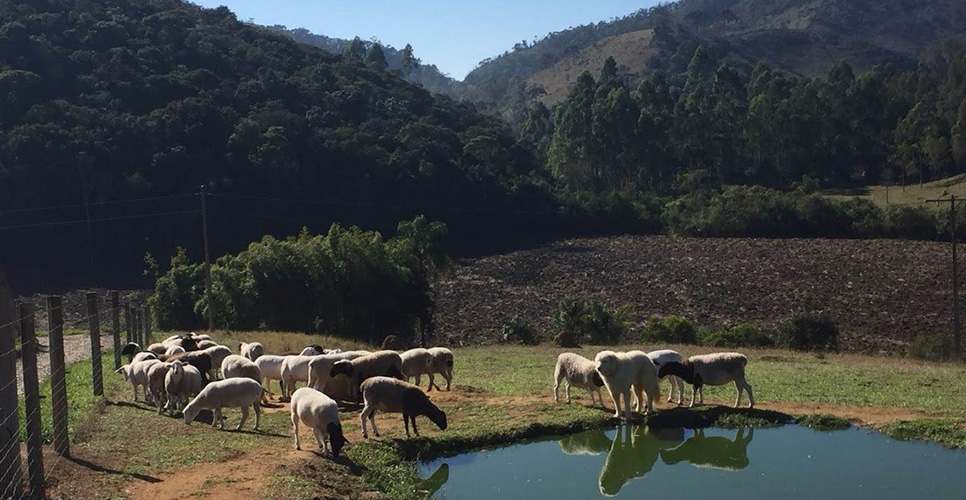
(738, 399)
(567, 391)
(258, 415)
(219, 423)
(318, 439)
(244, 417)
(415, 430)
(694, 392)
(751, 397)
(432, 382)
(406, 423)
(448, 375)
(372, 421)
(295, 430)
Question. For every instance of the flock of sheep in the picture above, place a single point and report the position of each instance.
(638, 373)
(184, 367)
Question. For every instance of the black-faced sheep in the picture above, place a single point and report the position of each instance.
(662, 357)
(397, 396)
(577, 371)
(380, 363)
(712, 369)
(321, 414)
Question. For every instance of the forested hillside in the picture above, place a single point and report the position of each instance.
(149, 99)
(798, 37)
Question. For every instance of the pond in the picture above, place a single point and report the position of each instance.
(789, 462)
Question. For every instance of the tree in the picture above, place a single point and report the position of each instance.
(375, 57)
(355, 49)
(409, 60)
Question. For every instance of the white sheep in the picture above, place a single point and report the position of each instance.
(137, 373)
(218, 354)
(416, 363)
(379, 363)
(312, 350)
(270, 366)
(577, 371)
(175, 349)
(229, 393)
(397, 396)
(251, 351)
(320, 367)
(171, 339)
(143, 356)
(181, 382)
(662, 357)
(239, 366)
(442, 364)
(712, 369)
(321, 414)
(157, 348)
(200, 337)
(294, 369)
(623, 371)
(156, 382)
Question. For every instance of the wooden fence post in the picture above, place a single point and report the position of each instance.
(58, 382)
(31, 391)
(147, 323)
(129, 322)
(116, 327)
(97, 374)
(11, 478)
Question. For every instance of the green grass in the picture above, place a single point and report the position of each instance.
(824, 422)
(948, 433)
(913, 194)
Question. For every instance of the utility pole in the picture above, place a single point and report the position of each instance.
(957, 343)
(204, 231)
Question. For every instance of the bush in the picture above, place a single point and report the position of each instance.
(519, 331)
(349, 282)
(938, 347)
(743, 335)
(588, 320)
(810, 332)
(671, 329)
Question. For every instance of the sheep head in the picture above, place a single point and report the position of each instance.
(684, 370)
(188, 343)
(394, 372)
(336, 438)
(436, 415)
(190, 412)
(598, 381)
(341, 367)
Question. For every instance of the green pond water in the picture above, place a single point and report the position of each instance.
(789, 462)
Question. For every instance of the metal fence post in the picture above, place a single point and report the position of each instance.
(31, 391)
(58, 382)
(97, 375)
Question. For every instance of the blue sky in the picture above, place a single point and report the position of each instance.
(455, 35)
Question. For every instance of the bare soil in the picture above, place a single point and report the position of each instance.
(881, 292)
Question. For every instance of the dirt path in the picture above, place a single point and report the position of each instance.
(76, 348)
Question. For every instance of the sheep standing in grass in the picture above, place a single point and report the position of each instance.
(397, 396)
(270, 366)
(712, 369)
(442, 364)
(577, 371)
(235, 366)
(379, 363)
(175, 349)
(230, 393)
(321, 414)
(294, 369)
(662, 357)
(416, 363)
(623, 371)
(320, 367)
(218, 354)
(137, 373)
(156, 380)
(199, 359)
(181, 382)
(252, 351)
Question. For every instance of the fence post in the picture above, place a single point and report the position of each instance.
(129, 322)
(147, 323)
(11, 479)
(136, 314)
(58, 382)
(31, 391)
(97, 375)
(116, 328)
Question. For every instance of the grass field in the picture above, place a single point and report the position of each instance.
(501, 394)
(912, 194)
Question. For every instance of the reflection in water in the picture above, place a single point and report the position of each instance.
(716, 452)
(633, 453)
(433, 483)
(585, 443)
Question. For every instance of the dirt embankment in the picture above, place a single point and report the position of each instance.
(881, 292)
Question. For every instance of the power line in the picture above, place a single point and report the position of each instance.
(102, 219)
(383, 205)
(95, 203)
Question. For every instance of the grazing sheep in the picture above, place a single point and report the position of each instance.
(239, 366)
(321, 414)
(397, 396)
(294, 369)
(157, 348)
(623, 371)
(229, 393)
(199, 359)
(251, 351)
(181, 382)
(662, 357)
(320, 367)
(186, 342)
(156, 379)
(270, 366)
(379, 363)
(580, 372)
(206, 344)
(416, 363)
(442, 364)
(175, 349)
(218, 354)
(712, 369)
(312, 350)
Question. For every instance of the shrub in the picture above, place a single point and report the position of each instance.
(938, 347)
(743, 335)
(519, 331)
(671, 329)
(588, 320)
(824, 422)
(810, 332)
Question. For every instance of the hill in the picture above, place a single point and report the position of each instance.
(799, 37)
(880, 292)
(106, 102)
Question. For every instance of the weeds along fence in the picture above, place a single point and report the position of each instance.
(23, 471)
